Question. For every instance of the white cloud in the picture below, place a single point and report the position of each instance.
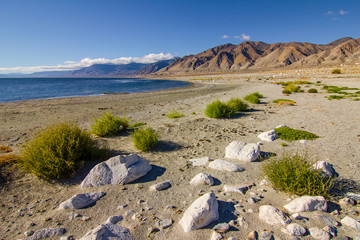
(245, 37)
(330, 13)
(224, 36)
(342, 12)
(86, 62)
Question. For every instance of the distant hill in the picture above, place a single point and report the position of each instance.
(263, 56)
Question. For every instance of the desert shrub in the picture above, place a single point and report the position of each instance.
(294, 174)
(136, 125)
(175, 114)
(216, 109)
(145, 139)
(284, 144)
(58, 151)
(290, 134)
(108, 125)
(5, 149)
(337, 97)
(234, 106)
(9, 159)
(292, 88)
(312, 90)
(336, 71)
(286, 103)
(286, 92)
(283, 100)
(252, 98)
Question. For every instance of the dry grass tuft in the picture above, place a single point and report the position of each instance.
(8, 159)
(5, 149)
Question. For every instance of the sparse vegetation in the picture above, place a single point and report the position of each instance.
(174, 114)
(312, 90)
(253, 98)
(284, 145)
(5, 149)
(292, 88)
(58, 151)
(337, 97)
(286, 92)
(294, 174)
(292, 102)
(108, 125)
(218, 109)
(145, 139)
(290, 134)
(9, 159)
(336, 71)
(136, 125)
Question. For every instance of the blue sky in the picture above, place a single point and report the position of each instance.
(66, 34)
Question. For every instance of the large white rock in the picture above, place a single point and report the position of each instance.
(273, 216)
(295, 229)
(325, 167)
(81, 200)
(247, 152)
(202, 179)
(307, 204)
(108, 231)
(237, 188)
(202, 212)
(225, 166)
(199, 161)
(319, 234)
(268, 136)
(350, 222)
(117, 170)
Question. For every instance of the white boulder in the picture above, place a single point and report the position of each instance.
(202, 212)
(326, 168)
(117, 170)
(273, 216)
(247, 152)
(225, 166)
(295, 229)
(268, 136)
(81, 200)
(237, 188)
(350, 222)
(160, 186)
(202, 179)
(108, 231)
(319, 234)
(307, 204)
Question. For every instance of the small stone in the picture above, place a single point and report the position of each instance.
(268, 136)
(160, 186)
(69, 237)
(307, 204)
(81, 200)
(85, 218)
(46, 233)
(237, 188)
(328, 221)
(29, 233)
(221, 228)
(332, 230)
(251, 210)
(231, 238)
(248, 152)
(73, 215)
(164, 223)
(216, 236)
(326, 168)
(264, 182)
(129, 213)
(242, 222)
(251, 200)
(273, 216)
(302, 141)
(295, 229)
(122, 206)
(253, 235)
(320, 234)
(108, 231)
(225, 166)
(202, 179)
(199, 161)
(266, 236)
(114, 219)
(347, 202)
(350, 222)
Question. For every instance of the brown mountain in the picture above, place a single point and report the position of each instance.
(261, 56)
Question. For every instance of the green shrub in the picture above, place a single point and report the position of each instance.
(294, 174)
(145, 139)
(337, 97)
(108, 125)
(220, 109)
(174, 114)
(283, 100)
(292, 88)
(136, 125)
(58, 151)
(336, 71)
(252, 98)
(216, 109)
(286, 92)
(283, 144)
(290, 134)
(312, 90)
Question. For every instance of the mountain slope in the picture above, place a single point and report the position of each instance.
(262, 56)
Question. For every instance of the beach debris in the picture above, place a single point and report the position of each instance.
(225, 166)
(350, 222)
(318, 233)
(294, 229)
(307, 204)
(160, 186)
(202, 179)
(247, 152)
(202, 212)
(117, 170)
(199, 161)
(114, 219)
(327, 168)
(46, 233)
(81, 200)
(238, 188)
(107, 231)
(273, 216)
(268, 136)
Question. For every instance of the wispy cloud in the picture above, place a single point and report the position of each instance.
(342, 12)
(224, 36)
(86, 62)
(243, 37)
(335, 14)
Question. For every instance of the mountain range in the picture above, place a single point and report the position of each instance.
(248, 55)
(251, 55)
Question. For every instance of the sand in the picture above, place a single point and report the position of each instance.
(28, 203)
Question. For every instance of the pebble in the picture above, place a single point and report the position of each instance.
(253, 235)
(29, 233)
(266, 236)
(221, 228)
(164, 223)
(216, 236)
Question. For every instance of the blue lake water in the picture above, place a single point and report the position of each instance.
(18, 89)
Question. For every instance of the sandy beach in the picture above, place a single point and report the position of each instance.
(28, 203)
